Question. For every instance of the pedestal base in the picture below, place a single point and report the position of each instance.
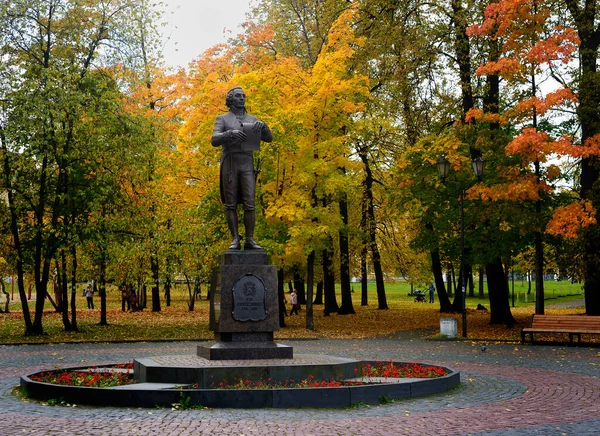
(245, 351)
(244, 310)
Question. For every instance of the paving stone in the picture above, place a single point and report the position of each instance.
(509, 390)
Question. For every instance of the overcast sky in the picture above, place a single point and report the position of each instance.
(195, 25)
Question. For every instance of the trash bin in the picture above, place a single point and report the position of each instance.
(448, 327)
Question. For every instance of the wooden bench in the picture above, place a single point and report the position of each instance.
(569, 324)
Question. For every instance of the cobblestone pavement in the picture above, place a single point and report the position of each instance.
(507, 390)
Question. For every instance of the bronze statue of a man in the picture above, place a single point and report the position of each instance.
(237, 166)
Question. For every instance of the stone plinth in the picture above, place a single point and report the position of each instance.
(244, 311)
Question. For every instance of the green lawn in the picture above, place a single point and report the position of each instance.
(554, 292)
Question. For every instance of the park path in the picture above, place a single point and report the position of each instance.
(507, 390)
(567, 304)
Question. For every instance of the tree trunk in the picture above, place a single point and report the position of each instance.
(198, 280)
(191, 293)
(74, 287)
(457, 304)
(379, 283)
(155, 280)
(57, 293)
(319, 294)
(364, 252)
(372, 234)
(299, 285)
(346, 307)
(168, 289)
(45, 246)
(438, 275)
(364, 293)
(451, 280)
(310, 277)
(331, 305)
(280, 296)
(144, 297)
(481, 294)
(470, 281)
(102, 287)
(463, 55)
(64, 291)
(169, 271)
(498, 294)
(198, 288)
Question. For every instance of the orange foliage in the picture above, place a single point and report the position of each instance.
(591, 146)
(551, 101)
(531, 145)
(500, 15)
(561, 46)
(524, 188)
(568, 220)
(535, 145)
(517, 23)
(504, 66)
(485, 117)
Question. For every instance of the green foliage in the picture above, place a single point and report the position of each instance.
(67, 133)
(57, 402)
(185, 403)
(385, 399)
(20, 392)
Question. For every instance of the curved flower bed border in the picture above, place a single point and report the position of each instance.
(372, 385)
(104, 377)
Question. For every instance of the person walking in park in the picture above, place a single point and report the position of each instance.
(239, 133)
(431, 292)
(294, 303)
(125, 297)
(89, 295)
(133, 300)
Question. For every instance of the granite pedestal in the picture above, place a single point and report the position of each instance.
(244, 310)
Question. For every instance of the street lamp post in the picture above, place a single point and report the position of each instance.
(443, 167)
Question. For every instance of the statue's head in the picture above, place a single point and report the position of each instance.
(233, 93)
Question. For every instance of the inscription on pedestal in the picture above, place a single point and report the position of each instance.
(249, 299)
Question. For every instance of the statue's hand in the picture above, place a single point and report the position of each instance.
(258, 126)
(238, 136)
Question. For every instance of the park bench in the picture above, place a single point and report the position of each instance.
(569, 324)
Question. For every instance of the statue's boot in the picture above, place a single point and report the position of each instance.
(232, 223)
(250, 243)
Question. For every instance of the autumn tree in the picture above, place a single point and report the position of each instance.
(57, 92)
(584, 17)
(534, 47)
(301, 27)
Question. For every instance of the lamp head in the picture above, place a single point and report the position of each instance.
(443, 167)
(478, 166)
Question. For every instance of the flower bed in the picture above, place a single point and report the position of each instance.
(117, 375)
(309, 382)
(408, 370)
(121, 374)
(378, 370)
(290, 386)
